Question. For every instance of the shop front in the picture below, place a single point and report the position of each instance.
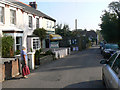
(54, 40)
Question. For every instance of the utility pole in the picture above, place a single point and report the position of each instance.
(76, 24)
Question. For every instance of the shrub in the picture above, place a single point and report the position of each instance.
(37, 56)
(49, 52)
(7, 46)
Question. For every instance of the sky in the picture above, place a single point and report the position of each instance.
(87, 12)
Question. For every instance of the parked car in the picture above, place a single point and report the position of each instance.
(111, 71)
(109, 49)
(101, 45)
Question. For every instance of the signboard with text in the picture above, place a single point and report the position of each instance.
(54, 44)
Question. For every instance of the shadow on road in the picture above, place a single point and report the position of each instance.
(16, 78)
(87, 84)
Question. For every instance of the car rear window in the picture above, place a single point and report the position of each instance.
(111, 46)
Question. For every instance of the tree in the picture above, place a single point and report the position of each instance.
(115, 7)
(59, 30)
(41, 33)
(64, 31)
(110, 27)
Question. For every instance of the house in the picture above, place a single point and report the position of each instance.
(20, 20)
(79, 40)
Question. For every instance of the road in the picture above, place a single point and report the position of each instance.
(79, 70)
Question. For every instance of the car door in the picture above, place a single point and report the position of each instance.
(115, 76)
(107, 70)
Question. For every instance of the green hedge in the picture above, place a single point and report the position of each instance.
(7, 46)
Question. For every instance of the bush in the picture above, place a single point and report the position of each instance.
(7, 46)
(37, 56)
(49, 52)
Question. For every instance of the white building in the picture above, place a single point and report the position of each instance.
(19, 20)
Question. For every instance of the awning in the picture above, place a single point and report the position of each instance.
(55, 37)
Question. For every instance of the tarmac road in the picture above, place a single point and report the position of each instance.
(79, 70)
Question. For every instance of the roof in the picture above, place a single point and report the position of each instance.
(91, 33)
(31, 10)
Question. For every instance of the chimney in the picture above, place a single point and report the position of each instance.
(76, 24)
(33, 5)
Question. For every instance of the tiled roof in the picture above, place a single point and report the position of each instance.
(31, 10)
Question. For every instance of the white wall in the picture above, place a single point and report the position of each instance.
(44, 24)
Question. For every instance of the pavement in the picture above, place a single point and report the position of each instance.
(78, 70)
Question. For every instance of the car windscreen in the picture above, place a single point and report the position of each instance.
(111, 46)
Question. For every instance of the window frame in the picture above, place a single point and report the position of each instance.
(113, 60)
(112, 67)
(19, 42)
(49, 24)
(36, 44)
(37, 22)
(30, 19)
(13, 17)
(2, 15)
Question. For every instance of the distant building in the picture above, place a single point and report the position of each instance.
(80, 40)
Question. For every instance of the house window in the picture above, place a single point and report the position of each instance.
(36, 44)
(30, 21)
(1, 14)
(49, 24)
(18, 43)
(12, 16)
(37, 22)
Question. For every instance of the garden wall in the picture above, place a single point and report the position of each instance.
(9, 69)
